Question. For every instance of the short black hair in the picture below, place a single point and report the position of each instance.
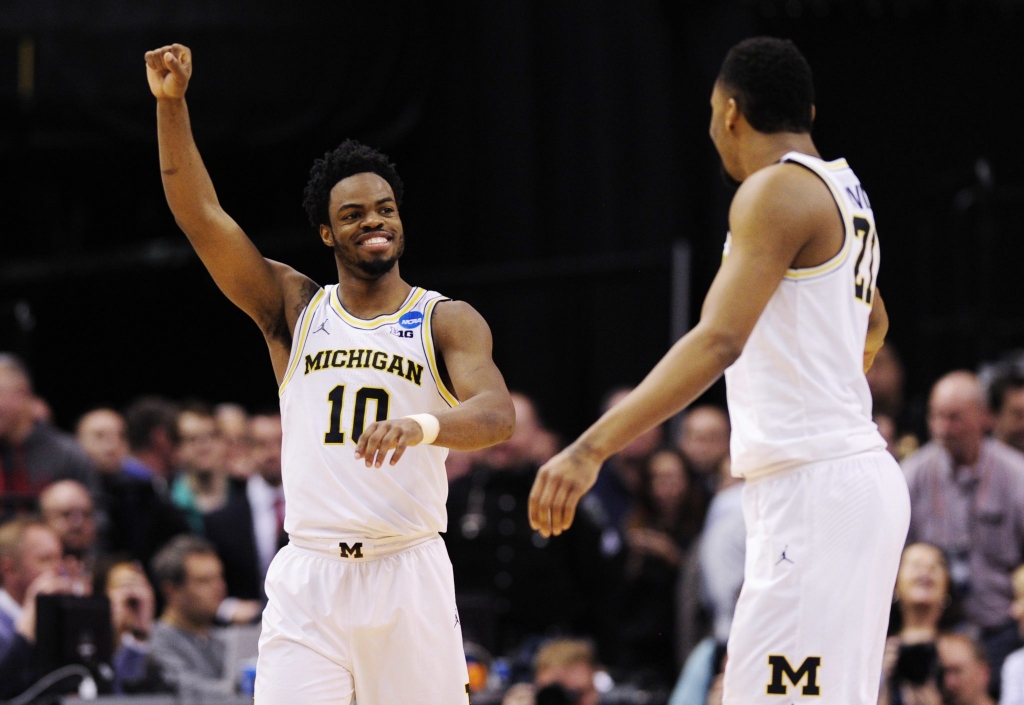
(147, 414)
(349, 158)
(772, 84)
(1009, 381)
(168, 565)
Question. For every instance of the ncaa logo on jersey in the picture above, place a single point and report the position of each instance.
(413, 319)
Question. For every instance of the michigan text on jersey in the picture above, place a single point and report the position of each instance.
(365, 359)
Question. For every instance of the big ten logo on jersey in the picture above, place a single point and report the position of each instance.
(782, 670)
(407, 324)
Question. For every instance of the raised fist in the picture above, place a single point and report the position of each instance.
(168, 70)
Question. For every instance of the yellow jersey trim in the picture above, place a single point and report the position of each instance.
(837, 164)
(307, 319)
(840, 258)
(428, 346)
(367, 324)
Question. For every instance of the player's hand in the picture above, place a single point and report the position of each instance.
(169, 69)
(382, 436)
(561, 483)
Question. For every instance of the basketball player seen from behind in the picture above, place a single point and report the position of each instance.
(793, 318)
(361, 601)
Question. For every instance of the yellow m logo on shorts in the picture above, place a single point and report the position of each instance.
(781, 669)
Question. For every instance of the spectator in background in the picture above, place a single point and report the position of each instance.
(32, 452)
(132, 607)
(619, 478)
(202, 485)
(233, 426)
(67, 508)
(190, 654)
(967, 498)
(152, 425)
(511, 582)
(965, 671)
(1006, 402)
(248, 531)
(28, 549)
(910, 667)
(564, 672)
(103, 436)
(885, 380)
(703, 438)
(1012, 679)
(660, 530)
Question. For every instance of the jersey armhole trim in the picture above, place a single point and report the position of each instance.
(833, 263)
(429, 349)
(300, 341)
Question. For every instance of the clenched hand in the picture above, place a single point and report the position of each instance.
(169, 69)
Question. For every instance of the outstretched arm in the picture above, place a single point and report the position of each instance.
(271, 293)
(770, 225)
(485, 414)
(878, 326)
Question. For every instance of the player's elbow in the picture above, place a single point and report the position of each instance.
(724, 345)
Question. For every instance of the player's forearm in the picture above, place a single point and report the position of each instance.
(478, 422)
(687, 370)
(187, 185)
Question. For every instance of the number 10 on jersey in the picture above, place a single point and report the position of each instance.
(334, 435)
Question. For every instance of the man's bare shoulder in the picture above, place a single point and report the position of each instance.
(298, 290)
(456, 321)
(782, 193)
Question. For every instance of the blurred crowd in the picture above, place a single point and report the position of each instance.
(173, 510)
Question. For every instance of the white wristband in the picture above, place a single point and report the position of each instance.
(428, 424)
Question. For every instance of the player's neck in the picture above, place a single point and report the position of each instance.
(369, 298)
(766, 149)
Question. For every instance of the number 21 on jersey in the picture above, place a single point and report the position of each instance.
(865, 270)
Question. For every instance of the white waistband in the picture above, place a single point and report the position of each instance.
(358, 548)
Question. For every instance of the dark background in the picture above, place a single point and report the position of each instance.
(552, 152)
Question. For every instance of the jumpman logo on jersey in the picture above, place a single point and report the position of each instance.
(323, 327)
(784, 557)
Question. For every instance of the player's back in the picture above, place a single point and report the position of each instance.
(344, 374)
(797, 393)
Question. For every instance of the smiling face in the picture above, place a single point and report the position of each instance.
(365, 231)
(923, 578)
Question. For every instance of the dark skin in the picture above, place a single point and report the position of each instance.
(365, 228)
(783, 216)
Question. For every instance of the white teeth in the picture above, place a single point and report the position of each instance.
(375, 241)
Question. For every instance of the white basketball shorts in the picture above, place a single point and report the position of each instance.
(823, 548)
(374, 621)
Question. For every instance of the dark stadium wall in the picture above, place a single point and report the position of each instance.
(551, 156)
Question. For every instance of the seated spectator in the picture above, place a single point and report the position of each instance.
(152, 426)
(190, 654)
(30, 565)
(703, 439)
(619, 478)
(28, 549)
(513, 583)
(33, 453)
(722, 552)
(1006, 402)
(910, 667)
(233, 427)
(248, 531)
(564, 672)
(967, 498)
(965, 671)
(663, 525)
(202, 485)
(103, 436)
(132, 604)
(67, 508)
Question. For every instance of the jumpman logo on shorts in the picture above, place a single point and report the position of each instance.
(323, 327)
(457, 622)
(784, 557)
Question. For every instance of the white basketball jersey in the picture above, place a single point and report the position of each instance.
(344, 373)
(798, 393)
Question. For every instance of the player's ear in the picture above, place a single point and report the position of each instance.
(732, 114)
(326, 235)
(814, 112)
